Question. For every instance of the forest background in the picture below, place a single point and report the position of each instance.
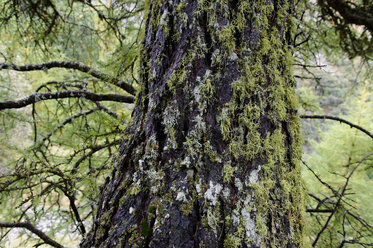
(84, 57)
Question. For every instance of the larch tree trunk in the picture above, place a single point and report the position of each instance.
(212, 155)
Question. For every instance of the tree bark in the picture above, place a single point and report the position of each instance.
(212, 156)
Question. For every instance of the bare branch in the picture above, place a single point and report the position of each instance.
(106, 110)
(61, 83)
(93, 150)
(37, 97)
(339, 199)
(337, 119)
(67, 121)
(357, 242)
(71, 65)
(310, 66)
(74, 209)
(319, 179)
(34, 230)
(309, 210)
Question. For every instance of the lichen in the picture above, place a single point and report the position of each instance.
(214, 219)
(213, 192)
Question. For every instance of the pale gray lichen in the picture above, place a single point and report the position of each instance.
(170, 117)
(141, 164)
(186, 162)
(215, 57)
(249, 223)
(254, 176)
(238, 184)
(181, 197)
(226, 192)
(163, 20)
(190, 174)
(235, 218)
(233, 56)
(213, 219)
(213, 192)
(198, 187)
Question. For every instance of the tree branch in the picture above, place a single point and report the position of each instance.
(34, 230)
(93, 150)
(71, 65)
(310, 210)
(37, 97)
(66, 121)
(63, 84)
(336, 205)
(74, 209)
(357, 15)
(337, 119)
(106, 110)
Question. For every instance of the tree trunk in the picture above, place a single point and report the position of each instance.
(213, 154)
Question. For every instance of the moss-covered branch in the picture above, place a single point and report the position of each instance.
(37, 97)
(72, 65)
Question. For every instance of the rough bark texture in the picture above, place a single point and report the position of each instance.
(213, 154)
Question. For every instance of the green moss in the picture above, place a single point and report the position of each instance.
(224, 119)
(261, 225)
(152, 209)
(146, 230)
(206, 91)
(235, 240)
(134, 189)
(232, 241)
(212, 154)
(134, 236)
(228, 172)
(214, 219)
(226, 37)
(155, 14)
(273, 98)
(205, 222)
(187, 208)
(181, 7)
(122, 200)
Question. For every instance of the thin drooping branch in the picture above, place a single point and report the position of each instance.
(337, 119)
(93, 150)
(310, 210)
(106, 110)
(356, 242)
(71, 65)
(319, 179)
(34, 230)
(37, 97)
(67, 121)
(76, 214)
(74, 209)
(61, 83)
(333, 206)
(336, 205)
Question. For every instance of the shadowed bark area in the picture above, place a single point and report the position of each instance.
(212, 158)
